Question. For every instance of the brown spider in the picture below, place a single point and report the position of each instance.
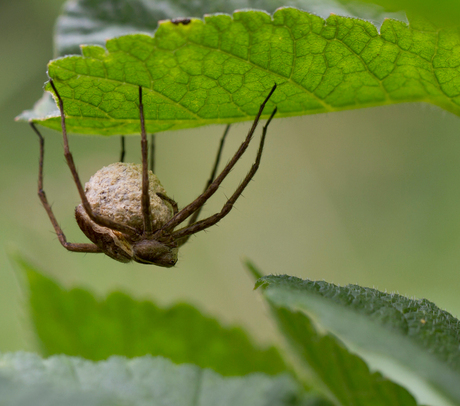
(141, 236)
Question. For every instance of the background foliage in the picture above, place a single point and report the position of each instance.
(377, 191)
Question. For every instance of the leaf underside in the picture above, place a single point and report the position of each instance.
(26, 379)
(219, 71)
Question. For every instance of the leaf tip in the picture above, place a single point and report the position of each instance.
(252, 269)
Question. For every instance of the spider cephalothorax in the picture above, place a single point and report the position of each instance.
(125, 211)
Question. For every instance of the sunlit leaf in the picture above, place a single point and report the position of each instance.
(219, 70)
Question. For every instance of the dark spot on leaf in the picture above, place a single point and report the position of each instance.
(183, 21)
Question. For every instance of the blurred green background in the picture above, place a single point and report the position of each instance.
(366, 196)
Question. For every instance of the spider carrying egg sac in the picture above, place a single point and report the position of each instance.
(115, 192)
(124, 210)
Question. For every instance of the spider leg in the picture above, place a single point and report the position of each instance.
(152, 153)
(123, 151)
(41, 194)
(145, 170)
(188, 210)
(210, 221)
(196, 214)
(170, 201)
(102, 221)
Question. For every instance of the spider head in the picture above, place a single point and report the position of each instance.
(154, 252)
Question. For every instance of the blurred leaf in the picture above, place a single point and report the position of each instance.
(344, 374)
(95, 21)
(441, 12)
(76, 323)
(415, 333)
(14, 393)
(27, 380)
(219, 70)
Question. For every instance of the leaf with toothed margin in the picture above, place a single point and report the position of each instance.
(418, 336)
(65, 322)
(219, 70)
(28, 380)
(94, 21)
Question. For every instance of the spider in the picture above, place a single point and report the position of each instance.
(148, 235)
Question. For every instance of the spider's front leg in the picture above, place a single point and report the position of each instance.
(196, 214)
(188, 210)
(185, 232)
(76, 247)
(101, 221)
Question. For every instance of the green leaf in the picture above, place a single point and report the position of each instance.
(27, 380)
(219, 70)
(414, 333)
(76, 323)
(94, 21)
